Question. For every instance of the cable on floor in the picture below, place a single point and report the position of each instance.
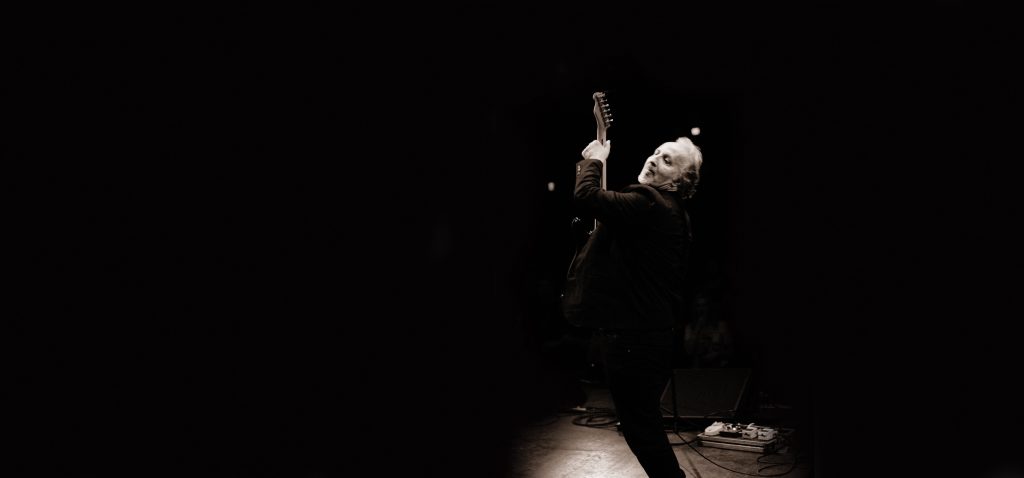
(597, 417)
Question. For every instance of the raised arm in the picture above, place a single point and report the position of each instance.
(606, 206)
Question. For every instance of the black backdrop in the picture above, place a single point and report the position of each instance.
(258, 236)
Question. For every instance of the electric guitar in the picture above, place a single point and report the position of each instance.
(603, 118)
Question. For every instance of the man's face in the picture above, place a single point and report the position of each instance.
(666, 165)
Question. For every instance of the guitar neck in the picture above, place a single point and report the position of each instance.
(604, 175)
(603, 117)
(602, 136)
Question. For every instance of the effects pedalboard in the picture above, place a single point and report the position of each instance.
(734, 436)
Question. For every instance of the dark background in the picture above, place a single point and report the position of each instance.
(259, 236)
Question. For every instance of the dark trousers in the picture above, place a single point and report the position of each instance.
(638, 365)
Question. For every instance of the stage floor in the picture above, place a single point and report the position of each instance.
(556, 447)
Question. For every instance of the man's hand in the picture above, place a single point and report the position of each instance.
(598, 151)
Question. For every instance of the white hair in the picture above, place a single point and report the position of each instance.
(691, 176)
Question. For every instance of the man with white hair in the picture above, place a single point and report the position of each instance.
(626, 284)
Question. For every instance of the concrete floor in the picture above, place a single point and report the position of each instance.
(555, 447)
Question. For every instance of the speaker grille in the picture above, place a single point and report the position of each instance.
(705, 392)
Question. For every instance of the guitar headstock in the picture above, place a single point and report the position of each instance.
(602, 114)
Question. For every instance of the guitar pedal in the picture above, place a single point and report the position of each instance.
(750, 432)
(730, 430)
(714, 429)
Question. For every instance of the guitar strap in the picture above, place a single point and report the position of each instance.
(689, 231)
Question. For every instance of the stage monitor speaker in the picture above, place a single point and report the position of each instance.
(705, 392)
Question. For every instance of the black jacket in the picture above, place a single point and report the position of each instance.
(629, 274)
